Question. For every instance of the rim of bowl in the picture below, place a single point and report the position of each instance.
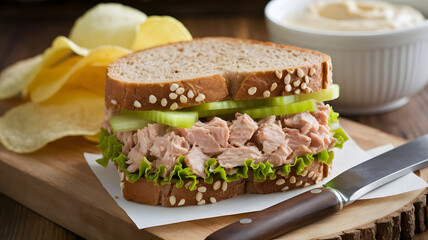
(388, 32)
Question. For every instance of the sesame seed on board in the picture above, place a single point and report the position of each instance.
(114, 102)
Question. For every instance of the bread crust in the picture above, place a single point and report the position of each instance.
(227, 85)
(168, 195)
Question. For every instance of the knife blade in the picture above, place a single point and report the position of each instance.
(321, 202)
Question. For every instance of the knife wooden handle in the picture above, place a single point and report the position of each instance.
(282, 217)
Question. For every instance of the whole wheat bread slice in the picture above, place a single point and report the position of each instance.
(204, 70)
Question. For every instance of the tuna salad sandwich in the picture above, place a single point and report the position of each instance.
(198, 122)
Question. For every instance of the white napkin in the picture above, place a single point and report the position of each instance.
(149, 216)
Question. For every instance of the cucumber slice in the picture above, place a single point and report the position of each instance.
(331, 93)
(283, 100)
(230, 104)
(217, 112)
(308, 105)
(183, 119)
(207, 109)
(122, 123)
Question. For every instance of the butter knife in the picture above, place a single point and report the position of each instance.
(321, 202)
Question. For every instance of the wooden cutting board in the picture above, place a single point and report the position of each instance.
(57, 183)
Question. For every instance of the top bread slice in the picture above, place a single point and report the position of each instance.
(205, 70)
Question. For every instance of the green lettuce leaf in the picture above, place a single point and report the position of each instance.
(340, 136)
(325, 156)
(109, 146)
(301, 163)
(333, 117)
(182, 174)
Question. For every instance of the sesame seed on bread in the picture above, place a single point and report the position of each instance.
(205, 70)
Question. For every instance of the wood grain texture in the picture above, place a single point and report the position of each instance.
(24, 36)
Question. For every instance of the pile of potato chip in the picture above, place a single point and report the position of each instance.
(65, 85)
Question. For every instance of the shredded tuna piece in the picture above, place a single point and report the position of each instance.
(322, 114)
(235, 156)
(134, 159)
(298, 142)
(195, 159)
(167, 148)
(242, 129)
(202, 138)
(219, 129)
(108, 113)
(146, 136)
(280, 156)
(270, 135)
(127, 140)
(321, 140)
(304, 121)
(143, 139)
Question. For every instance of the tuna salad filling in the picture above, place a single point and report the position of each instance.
(223, 148)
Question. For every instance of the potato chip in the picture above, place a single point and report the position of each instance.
(92, 138)
(107, 24)
(75, 72)
(57, 60)
(31, 126)
(17, 76)
(63, 42)
(158, 30)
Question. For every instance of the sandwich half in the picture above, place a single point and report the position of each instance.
(206, 120)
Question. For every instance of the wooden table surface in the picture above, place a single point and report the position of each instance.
(22, 37)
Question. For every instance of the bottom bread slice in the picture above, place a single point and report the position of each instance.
(168, 195)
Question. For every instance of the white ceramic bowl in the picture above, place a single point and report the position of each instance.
(376, 71)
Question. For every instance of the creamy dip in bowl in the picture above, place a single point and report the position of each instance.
(351, 15)
(377, 70)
